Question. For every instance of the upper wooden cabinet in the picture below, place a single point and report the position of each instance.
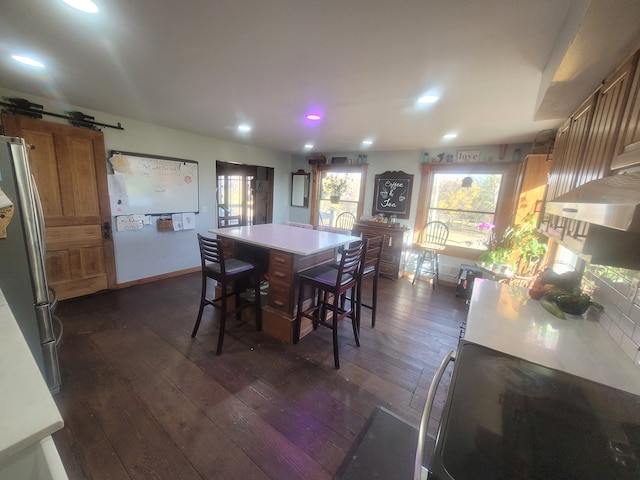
(586, 142)
(627, 152)
(569, 147)
(606, 124)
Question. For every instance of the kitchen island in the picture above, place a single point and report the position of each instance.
(281, 251)
(28, 413)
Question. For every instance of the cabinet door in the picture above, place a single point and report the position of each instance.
(605, 126)
(559, 155)
(571, 142)
(532, 189)
(628, 145)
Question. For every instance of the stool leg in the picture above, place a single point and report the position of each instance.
(374, 300)
(355, 318)
(320, 310)
(223, 318)
(202, 304)
(296, 327)
(418, 268)
(336, 357)
(359, 302)
(435, 263)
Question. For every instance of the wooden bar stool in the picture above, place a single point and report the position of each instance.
(225, 272)
(431, 242)
(370, 269)
(331, 285)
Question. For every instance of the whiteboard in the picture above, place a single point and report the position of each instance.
(148, 184)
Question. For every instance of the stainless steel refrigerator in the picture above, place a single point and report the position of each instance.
(22, 260)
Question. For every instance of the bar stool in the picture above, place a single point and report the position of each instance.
(225, 271)
(431, 242)
(332, 284)
(370, 269)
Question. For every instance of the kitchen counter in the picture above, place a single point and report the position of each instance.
(504, 318)
(28, 413)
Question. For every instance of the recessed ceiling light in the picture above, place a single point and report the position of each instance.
(449, 136)
(86, 6)
(309, 146)
(27, 61)
(367, 142)
(428, 99)
(314, 117)
(244, 128)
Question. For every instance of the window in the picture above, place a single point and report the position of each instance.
(470, 198)
(467, 203)
(337, 189)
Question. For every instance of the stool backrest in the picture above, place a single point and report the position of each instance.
(373, 254)
(434, 233)
(211, 252)
(351, 261)
(345, 220)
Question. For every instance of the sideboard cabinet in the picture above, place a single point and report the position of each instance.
(393, 249)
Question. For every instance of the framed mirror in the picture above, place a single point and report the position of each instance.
(300, 188)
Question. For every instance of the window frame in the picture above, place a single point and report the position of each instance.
(316, 187)
(504, 206)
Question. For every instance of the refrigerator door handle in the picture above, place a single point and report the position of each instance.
(33, 229)
(40, 213)
(45, 325)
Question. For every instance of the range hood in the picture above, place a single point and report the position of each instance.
(612, 202)
(600, 220)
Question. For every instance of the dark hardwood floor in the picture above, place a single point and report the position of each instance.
(142, 399)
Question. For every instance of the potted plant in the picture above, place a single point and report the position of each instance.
(520, 246)
(525, 243)
(335, 186)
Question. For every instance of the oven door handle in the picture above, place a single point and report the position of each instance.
(426, 413)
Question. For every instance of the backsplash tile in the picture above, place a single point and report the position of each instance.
(616, 289)
(629, 347)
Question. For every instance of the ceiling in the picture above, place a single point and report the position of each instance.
(504, 69)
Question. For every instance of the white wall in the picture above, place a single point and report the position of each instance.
(408, 161)
(146, 253)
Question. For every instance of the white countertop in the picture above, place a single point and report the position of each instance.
(28, 413)
(504, 318)
(301, 241)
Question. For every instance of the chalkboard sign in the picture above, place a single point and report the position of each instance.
(393, 194)
(150, 184)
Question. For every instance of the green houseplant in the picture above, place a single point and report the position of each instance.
(335, 186)
(519, 247)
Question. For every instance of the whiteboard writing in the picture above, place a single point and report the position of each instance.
(154, 185)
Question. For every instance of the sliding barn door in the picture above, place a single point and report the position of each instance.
(70, 170)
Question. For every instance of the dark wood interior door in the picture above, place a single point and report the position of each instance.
(70, 170)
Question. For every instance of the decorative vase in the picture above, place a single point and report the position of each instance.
(334, 199)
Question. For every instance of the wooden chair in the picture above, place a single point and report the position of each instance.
(345, 221)
(332, 285)
(226, 271)
(431, 241)
(370, 269)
